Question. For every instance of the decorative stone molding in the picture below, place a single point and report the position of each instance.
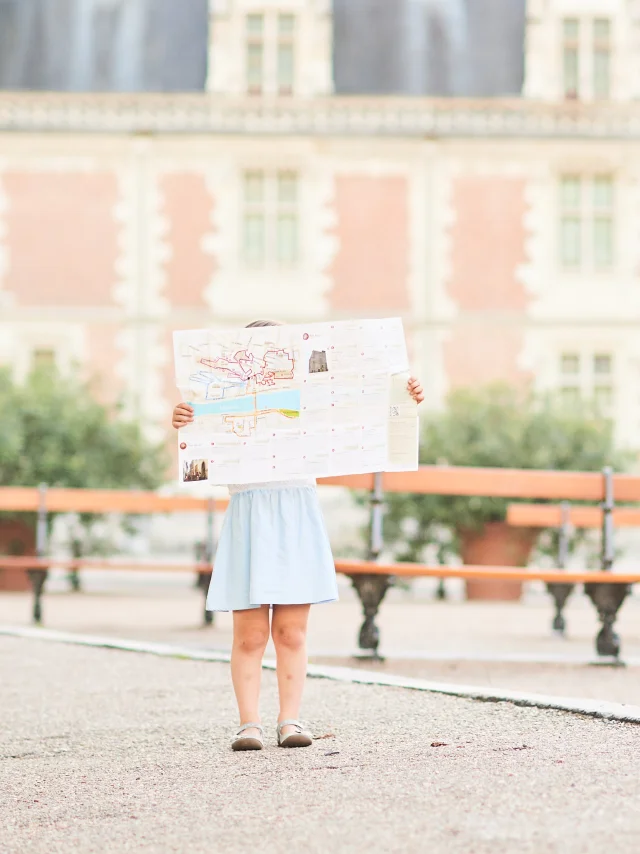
(139, 290)
(441, 304)
(338, 116)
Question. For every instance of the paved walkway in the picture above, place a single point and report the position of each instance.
(112, 751)
(506, 646)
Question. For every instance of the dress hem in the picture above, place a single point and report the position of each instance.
(256, 605)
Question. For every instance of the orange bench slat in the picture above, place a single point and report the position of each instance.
(550, 516)
(355, 567)
(59, 500)
(348, 567)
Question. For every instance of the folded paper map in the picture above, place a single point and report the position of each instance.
(279, 402)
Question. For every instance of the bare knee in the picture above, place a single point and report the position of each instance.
(289, 637)
(251, 640)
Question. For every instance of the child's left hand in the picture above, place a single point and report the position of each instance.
(415, 390)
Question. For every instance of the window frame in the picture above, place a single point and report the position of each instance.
(256, 41)
(571, 46)
(586, 57)
(587, 382)
(276, 38)
(588, 214)
(274, 209)
(601, 45)
(286, 39)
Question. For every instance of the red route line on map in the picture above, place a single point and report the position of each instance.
(242, 356)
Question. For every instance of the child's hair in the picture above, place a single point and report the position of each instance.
(263, 323)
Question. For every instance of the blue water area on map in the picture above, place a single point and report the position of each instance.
(287, 399)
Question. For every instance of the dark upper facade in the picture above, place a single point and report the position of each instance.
(429, 47)
(380, 47)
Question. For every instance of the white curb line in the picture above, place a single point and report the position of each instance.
(575, 705)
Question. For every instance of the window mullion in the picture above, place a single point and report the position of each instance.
(272, 217)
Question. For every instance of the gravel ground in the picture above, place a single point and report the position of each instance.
(111, 751)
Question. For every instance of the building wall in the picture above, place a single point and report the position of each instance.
(108, 243)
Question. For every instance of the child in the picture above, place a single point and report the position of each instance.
(273, 552)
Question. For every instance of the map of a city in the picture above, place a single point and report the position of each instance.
(242, 386)
(275, 403)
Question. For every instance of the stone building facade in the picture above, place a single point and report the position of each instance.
(307, 182)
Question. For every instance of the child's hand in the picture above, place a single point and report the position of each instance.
(415, 390)
(182, 414)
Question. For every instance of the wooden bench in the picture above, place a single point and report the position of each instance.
(44, 500)
(566, 517)
(605, 487)
(607, 590)
(371, 579)
(616, 584)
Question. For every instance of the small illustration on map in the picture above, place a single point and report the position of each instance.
(318, 362)
(195, 470)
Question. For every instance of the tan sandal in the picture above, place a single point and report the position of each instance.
(300, 738)
(248, 742)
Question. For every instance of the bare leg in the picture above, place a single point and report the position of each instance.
(250, 636)
(289, 632)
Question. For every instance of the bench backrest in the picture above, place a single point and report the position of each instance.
(552, 516)
(498, 483)
(60, 500)
(428, 480)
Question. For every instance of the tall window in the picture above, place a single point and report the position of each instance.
(601, 58)
(286, 29)
(255, 54)
(254, 238)
(287, 219)
(602, 222)
(570, 377)
(587, 222)
(603, 381)
(571, 57)
(587, 376)
(586, 46)
(270, 219)
(571, 221)
(270, 60)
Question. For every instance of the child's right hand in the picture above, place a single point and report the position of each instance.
(182, 415)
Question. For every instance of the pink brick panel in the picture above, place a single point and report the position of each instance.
(62, 237)
(488, 244)
(487, 247)
(370, 271)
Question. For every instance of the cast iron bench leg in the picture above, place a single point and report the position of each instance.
(608, 599)
(560, 593)
(37, 578)
(371, 590)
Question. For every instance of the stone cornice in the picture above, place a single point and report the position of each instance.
(31, 112)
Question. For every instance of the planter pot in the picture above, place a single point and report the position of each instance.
(16, 539)
(498, 544)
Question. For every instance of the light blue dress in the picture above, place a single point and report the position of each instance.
(273, 549)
